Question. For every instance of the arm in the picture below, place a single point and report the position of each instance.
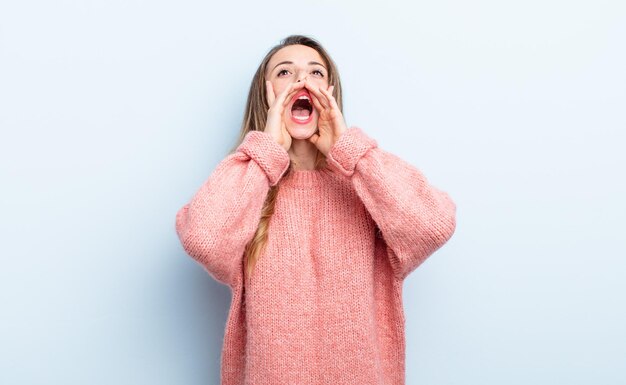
(415, 218)
(223, 215)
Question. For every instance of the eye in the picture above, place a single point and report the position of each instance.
(320, 72)
(281, 71)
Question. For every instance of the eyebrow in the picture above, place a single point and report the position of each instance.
(290, 62)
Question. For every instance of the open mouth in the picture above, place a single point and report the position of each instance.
(302, 109)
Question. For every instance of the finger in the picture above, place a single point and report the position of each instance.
(321, 98)
(269, 90)
(314, 138)
(285, 96)
(295, 88)
(282, 95)
(316, 103)
(330, 98)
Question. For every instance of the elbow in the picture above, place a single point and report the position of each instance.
(182, 226)
(193, 248)
(207, 246)
(441, 224)
(189, 239)
(450, 216)
(181, 219)
(447, 221)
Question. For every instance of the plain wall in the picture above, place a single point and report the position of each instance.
(113, 113)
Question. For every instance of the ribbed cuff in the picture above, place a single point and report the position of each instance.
(348, 149)
(267, 153)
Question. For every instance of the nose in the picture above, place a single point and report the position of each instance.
(302, 79)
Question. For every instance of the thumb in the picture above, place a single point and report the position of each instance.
(314, 138)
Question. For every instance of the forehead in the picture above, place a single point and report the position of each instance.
(297, 53)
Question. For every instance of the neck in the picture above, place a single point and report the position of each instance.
(302, 154)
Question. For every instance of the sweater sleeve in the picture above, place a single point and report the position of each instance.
(414, 217)
(222, 217)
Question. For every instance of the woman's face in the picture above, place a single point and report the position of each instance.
(287, 66)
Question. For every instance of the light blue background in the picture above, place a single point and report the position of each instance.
(113, 113)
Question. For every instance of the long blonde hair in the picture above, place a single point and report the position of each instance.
(255, 118)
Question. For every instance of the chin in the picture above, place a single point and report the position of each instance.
(302, 131)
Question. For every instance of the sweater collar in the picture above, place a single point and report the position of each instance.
(306, 178)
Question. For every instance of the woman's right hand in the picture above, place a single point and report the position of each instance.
(275, 125)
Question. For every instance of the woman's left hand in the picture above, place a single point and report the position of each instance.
(330, 122)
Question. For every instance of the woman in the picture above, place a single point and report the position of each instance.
(314, 228)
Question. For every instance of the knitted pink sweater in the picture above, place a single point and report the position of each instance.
(324, 304)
